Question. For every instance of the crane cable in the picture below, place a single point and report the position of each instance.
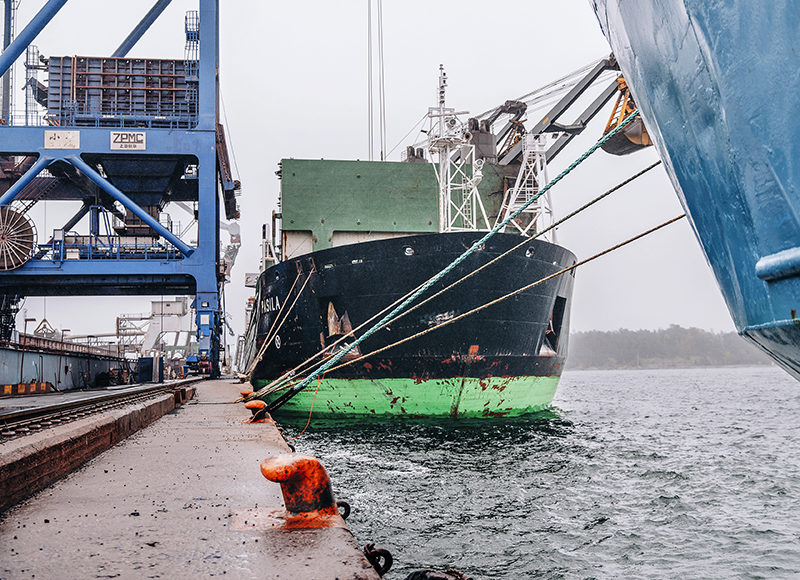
(344, 351)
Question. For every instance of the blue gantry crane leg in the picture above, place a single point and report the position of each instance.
(130, 137)
(137, 33)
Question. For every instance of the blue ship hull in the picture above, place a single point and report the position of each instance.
(718, 89)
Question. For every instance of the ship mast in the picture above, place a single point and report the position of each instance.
(531, 178)
(458, 172)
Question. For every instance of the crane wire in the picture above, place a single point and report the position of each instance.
(381, 82)
(370, 129)
(230, 135)
(417, 124)
(552, 89)
(535, 101)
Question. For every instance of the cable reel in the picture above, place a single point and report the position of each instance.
(18, 237)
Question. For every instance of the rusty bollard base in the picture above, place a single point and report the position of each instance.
(307, 494)
(258, 409)
(262, 519)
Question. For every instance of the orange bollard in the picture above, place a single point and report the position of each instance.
(304, 482)
(257, 408)
(307, 497)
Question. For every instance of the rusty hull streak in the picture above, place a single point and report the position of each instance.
(457, 401)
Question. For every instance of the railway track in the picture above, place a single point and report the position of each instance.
(30, 420)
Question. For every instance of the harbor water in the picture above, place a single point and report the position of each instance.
(635, 474)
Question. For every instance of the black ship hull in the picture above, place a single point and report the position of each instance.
(503, 360)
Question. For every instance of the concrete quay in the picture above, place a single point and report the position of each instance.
(184, 497)
(31, 463)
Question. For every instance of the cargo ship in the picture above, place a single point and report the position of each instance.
(716, 85)
(353, 238)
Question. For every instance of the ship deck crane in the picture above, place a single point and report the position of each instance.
(574, 87)
(533, 149)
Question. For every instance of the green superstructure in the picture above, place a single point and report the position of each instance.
(329, 203)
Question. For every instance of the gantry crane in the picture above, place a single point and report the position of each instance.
(119, 139)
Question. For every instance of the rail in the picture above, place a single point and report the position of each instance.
(25, 421)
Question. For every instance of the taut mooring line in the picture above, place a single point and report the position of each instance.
(285, 380)
(504, 297)
(342, 353)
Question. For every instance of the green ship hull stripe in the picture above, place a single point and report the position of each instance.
(451, 397)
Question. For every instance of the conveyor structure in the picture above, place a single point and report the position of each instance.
(124, 143)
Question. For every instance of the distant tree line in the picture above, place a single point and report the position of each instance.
(674, 347)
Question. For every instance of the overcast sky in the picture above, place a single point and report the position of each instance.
(294, 84)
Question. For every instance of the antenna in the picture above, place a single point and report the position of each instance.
(457, 170)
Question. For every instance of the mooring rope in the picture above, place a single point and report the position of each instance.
(496, 300)
(285, 379)
(270, 336)
(280, 381)
(526, 241)
(311, 410)
(254, 319)
(402, 306)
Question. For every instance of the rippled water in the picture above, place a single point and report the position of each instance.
(665, 473)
